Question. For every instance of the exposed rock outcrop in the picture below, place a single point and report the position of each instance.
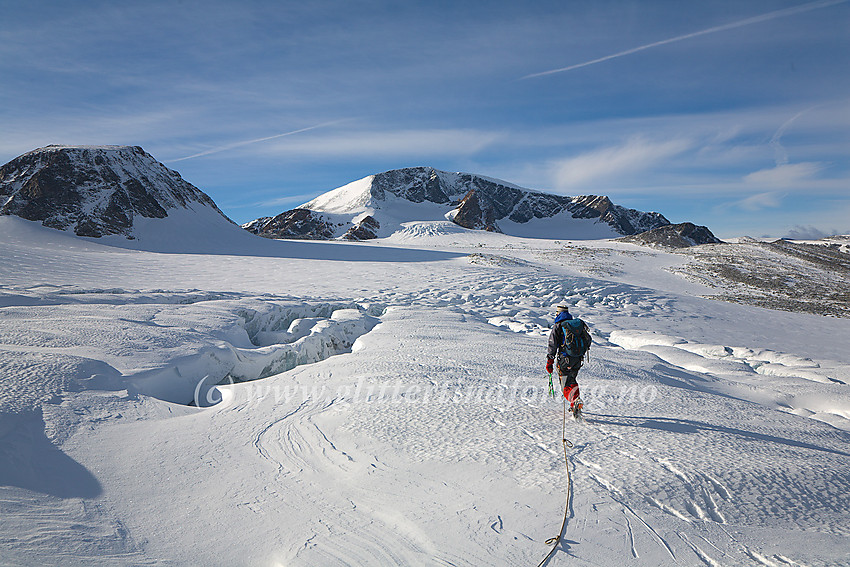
(471, 213)
(366, 229)
(94, 190)
(683, 235)
(297, 223)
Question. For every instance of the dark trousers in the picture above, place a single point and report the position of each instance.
(568, 368)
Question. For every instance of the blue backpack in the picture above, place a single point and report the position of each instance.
(576, 340)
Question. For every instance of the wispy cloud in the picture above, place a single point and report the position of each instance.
(781, 155)
(760, 201)
(786, 175)
(418, 143)
(286, 201)
(255, 141)
(608, 163)
(732, 25)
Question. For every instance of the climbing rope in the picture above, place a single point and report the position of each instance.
(556, 540)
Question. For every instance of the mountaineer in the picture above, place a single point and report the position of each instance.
(569, 341)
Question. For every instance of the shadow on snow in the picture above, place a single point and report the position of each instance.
(29, 460)
(688, 426)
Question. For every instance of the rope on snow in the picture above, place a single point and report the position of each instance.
(557, 539)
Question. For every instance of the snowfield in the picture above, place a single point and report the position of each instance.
(242, 401)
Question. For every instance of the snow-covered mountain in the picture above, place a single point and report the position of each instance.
(378, 206)
(99, 190)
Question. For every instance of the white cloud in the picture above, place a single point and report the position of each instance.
(608, 163)
(800, 232)
(785, 175)
(286, 201)
(760, 201)
(392, 143)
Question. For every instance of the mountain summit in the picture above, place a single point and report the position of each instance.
(379, 205)
(96, 190)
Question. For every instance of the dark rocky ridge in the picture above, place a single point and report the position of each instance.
(366, 229)
(296, 223)
(304, 224)
(683, 235)
(495, 200)
(93, 190)
(472, 214)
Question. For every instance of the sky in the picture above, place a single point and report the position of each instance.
(729, 114)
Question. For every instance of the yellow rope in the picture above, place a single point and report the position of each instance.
(556, 540)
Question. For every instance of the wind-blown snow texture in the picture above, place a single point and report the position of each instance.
(389, 407)
(387, 200)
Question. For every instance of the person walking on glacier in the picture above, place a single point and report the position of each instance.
(569, 341)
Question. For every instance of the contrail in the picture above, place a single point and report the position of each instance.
(754, 20)
(775, 141)
(247, 142)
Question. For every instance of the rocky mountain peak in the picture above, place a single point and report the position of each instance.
(93, 190)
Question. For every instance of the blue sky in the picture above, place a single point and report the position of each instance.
(731, 114)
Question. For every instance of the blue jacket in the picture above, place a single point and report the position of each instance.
(563, 316)
(556, 335)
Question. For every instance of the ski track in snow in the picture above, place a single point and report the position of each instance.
(718, 468)
(299, 447)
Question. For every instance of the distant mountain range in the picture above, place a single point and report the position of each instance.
(378, 205)
(98, 191)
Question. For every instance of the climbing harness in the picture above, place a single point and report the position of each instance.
(556, 540)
